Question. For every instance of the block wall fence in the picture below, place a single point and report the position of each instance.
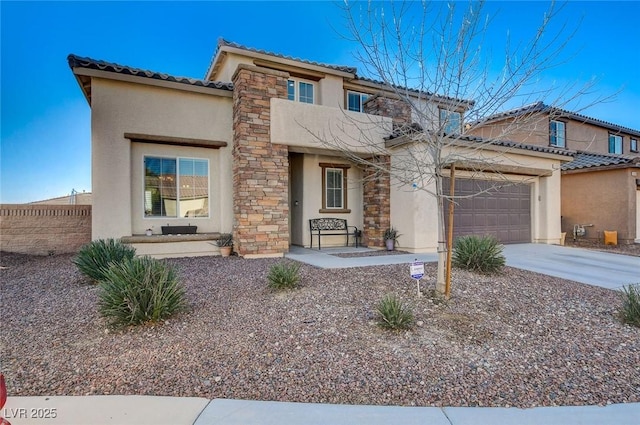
(44, 229)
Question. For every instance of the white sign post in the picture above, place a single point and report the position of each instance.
(417, 271)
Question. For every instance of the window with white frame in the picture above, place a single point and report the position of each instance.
(355, 101)
(450, 121)
(615, 143)
(633, 145)
(557, 133)
(334, 187)
(176, 187)
(300, 90)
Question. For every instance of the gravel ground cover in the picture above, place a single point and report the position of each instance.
(517, 339)
(625, 249)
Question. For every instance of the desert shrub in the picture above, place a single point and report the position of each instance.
(393, 313)
(478, 253)
(94, 258)
(139, 290)
(284, 275)
(630, 311)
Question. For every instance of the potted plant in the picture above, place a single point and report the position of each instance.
(149, 231)
(390, 237)
(225, 243)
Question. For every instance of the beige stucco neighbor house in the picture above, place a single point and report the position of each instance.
(601, 187)
(241, 151)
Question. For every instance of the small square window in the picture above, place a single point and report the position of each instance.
(355, 101)
(450, 122)
(300, 91)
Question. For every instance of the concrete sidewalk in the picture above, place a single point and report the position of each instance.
(152, 410)
(597, 268)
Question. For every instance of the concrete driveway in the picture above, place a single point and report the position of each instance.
(581, 265)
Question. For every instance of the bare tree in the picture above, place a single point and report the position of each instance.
(432, 58)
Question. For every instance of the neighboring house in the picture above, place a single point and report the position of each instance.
(601, 187)
(603, 193)
(543, 125)
(75, 198)
(240, 151)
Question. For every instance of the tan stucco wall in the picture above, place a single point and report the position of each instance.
(414, 211)
(311, 202)
(637, 240)
(118, 108)
(607, 199)
(329, 89)
(301, 125)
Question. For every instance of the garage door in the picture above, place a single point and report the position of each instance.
(486, 209)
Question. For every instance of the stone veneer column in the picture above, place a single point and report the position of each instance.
(377, 184)
(260, 168)
(376, 203)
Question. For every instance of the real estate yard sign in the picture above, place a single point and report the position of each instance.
(416, 270)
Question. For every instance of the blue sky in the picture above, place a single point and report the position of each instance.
(45, 120)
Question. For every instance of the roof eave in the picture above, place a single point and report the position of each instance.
(81, 72)
(224, 49)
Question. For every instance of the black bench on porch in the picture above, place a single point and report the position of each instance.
(333, 227)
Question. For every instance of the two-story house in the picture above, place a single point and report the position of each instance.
(601, 187)
(249, 150)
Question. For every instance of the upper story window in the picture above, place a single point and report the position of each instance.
(176, 187)
(450, 122)
(355, 101)
(615, 143)
(557, 134)
(334, 188)
(633, 145)
(300, 91)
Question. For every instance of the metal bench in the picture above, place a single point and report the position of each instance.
(333, 227)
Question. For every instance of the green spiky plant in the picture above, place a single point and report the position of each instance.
(140, 290)
(478, 253)
(284, 275)
(630, 310)
(94, 258)
(393, 313)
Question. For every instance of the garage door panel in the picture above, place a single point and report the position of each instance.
(501, 211)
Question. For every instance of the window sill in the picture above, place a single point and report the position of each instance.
(334, 211)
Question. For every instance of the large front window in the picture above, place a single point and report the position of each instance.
(334, 187)
(176, 187)
(557, 134)
(300, 91)
(615, 143)
(450, 122)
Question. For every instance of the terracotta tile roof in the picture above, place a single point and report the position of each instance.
(560, 113)
(222, 42)
(84, 62)
(584, 160)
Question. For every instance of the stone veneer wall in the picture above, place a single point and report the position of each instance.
(376, 209)
(377, 184)
(44, 229)
(260, 168)
(398, 111)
